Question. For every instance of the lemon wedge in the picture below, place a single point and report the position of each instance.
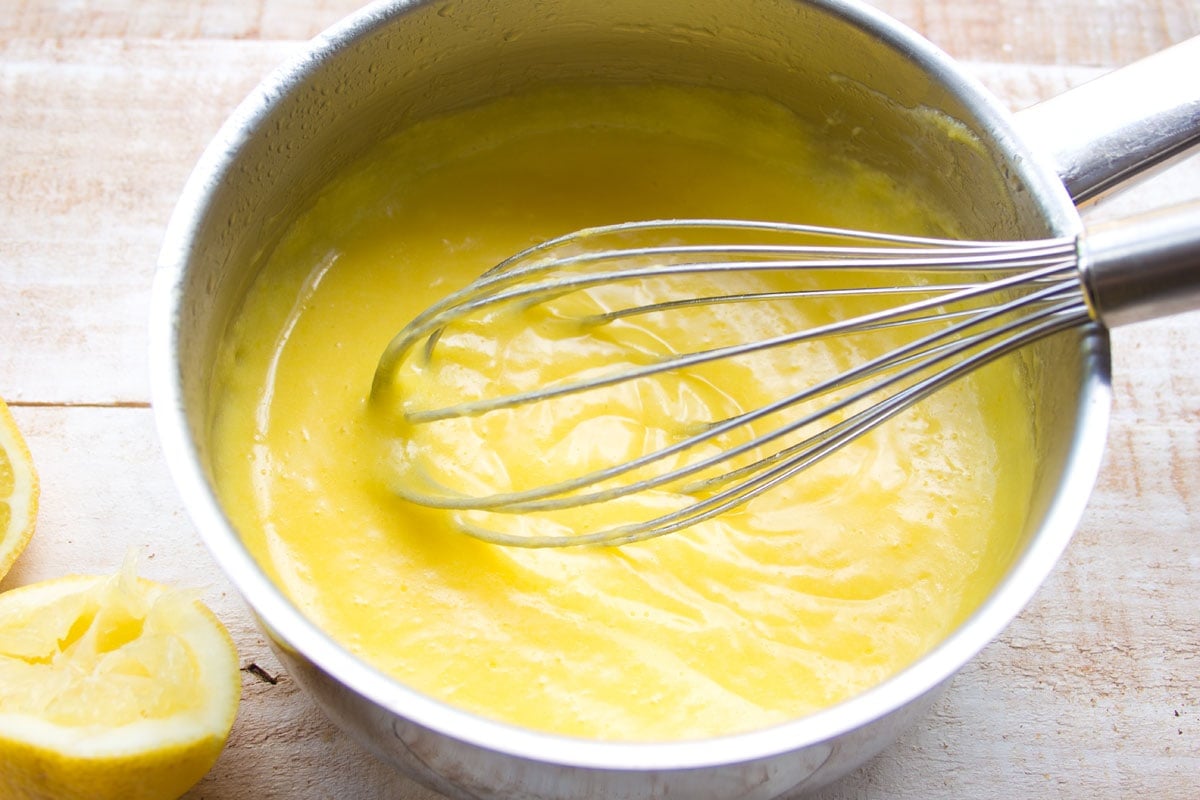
(111, 687)
(18, 491)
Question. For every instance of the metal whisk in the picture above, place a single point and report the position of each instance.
(966, 304)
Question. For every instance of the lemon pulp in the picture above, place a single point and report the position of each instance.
(123, 641)
(805, 597)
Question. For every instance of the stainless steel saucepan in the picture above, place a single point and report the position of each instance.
(894, 100)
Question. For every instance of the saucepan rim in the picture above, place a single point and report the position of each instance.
(292, 630)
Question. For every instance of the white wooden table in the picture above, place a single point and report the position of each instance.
(105, 105)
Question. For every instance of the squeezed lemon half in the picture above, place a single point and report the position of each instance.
(111, 687)
(18, 491)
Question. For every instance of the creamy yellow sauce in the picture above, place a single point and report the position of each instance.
(796, 601)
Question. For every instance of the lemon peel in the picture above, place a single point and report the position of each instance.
(18, 491)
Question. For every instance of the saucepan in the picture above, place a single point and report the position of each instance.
(892, 98)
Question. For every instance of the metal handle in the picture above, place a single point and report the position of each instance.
(1143, 267)
(1126, 124)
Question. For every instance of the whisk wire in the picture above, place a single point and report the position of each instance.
(875, 320)
(789, 462)
(804, 456)
(917, 356)
(1031, 290)
(513, 280)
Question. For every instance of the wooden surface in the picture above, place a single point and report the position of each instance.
(105, 105)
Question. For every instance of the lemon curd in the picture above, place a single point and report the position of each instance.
(798, 600)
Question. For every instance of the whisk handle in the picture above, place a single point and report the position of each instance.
(1144, 267)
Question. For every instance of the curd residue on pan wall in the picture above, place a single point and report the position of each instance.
(799, 600)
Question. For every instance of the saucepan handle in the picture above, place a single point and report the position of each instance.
(1123, 125)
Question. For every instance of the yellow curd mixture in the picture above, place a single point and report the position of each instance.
(794, 602)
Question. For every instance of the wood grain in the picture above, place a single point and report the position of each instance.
(1105, 33)
(238, 20)
(105, 106)
(98, 138)
(1079, 32)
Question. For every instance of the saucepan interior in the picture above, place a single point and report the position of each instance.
(887, 97)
